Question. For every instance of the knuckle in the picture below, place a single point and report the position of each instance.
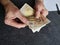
(6, 21)
(16, 11)
(46, 12)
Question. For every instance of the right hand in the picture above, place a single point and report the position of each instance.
(13, 12)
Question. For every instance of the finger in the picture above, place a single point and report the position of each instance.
(14, 24)
(22, 18)
(38, 10)
(44, 13)
(38, 7)
(42, 18)
(37, 14)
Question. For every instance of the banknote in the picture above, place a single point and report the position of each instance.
(34, 24)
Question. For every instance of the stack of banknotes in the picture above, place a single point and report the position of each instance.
(34, 24)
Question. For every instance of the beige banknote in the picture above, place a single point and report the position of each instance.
(34, 24)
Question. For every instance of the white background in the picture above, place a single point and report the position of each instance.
(51, 4)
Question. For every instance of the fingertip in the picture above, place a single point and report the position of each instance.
(37, 17)
(22, 25)
(37, 14)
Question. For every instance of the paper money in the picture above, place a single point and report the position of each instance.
(34, 24)
(26, 10)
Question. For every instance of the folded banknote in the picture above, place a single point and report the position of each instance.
(34, 24)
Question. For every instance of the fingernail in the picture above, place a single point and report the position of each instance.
(25, 25)
(36, 17)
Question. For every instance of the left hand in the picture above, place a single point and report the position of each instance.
(40, 10)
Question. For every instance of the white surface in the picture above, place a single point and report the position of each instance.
(51, 4)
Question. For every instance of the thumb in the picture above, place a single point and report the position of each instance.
(22, 18)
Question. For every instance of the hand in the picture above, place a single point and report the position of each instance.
(13, 12)
(40, 10)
